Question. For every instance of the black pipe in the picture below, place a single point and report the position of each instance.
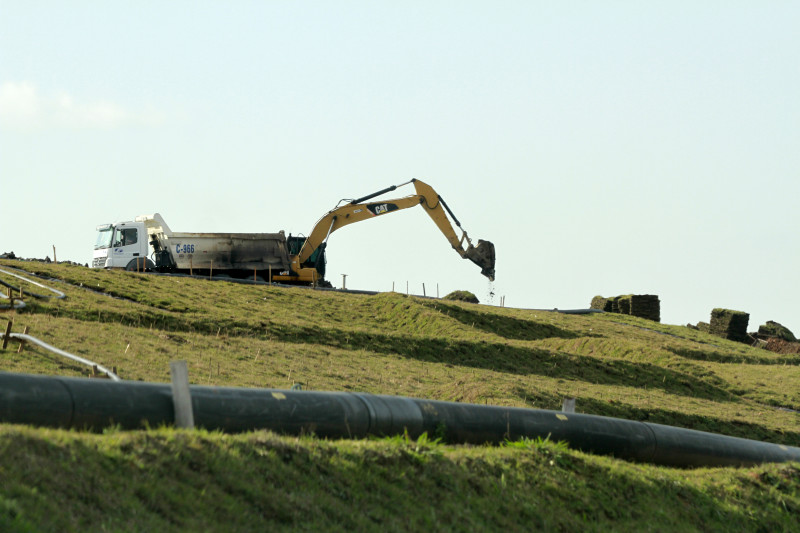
(94, 404)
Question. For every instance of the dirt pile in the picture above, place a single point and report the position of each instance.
(782, 346)
(776, 338)
(462, 296)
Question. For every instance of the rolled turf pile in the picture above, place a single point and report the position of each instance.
(774, 329)
(646, 306)
(624, 304)
(604, 304)
(642, 305)
(729, 324)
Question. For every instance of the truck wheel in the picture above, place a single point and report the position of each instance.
(140, 264)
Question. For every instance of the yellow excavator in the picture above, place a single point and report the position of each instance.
(307, 264)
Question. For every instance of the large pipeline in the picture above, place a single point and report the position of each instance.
(82, 403)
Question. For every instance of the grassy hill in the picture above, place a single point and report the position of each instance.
(261, 336)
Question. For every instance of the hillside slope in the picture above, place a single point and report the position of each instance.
(262, 336)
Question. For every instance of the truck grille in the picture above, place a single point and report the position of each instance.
(99, 262)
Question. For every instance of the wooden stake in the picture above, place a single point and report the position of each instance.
(21, 341)
(54, 254)
(423, 290)
(8, 331)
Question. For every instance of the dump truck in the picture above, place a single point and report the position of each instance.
(148, 244)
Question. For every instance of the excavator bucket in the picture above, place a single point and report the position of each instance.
(483, 256)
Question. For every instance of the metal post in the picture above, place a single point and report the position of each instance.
(344, 279)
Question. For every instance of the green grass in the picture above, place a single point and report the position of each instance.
(261, 336)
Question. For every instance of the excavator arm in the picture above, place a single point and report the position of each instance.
(360, 209)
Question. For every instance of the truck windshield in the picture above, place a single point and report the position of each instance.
(104, 238)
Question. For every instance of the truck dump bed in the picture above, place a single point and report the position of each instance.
(228, 251)
(220, 251)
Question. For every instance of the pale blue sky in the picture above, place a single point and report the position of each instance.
(604, 147)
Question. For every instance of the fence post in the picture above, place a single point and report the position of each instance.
(8, 330)
(22, 341)
(181, 396)
(568, 406)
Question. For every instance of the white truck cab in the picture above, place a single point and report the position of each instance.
(147, 243)
(122, 245)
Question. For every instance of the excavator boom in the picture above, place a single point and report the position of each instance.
(360, 209)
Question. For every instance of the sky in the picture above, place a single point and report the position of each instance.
(605, 148)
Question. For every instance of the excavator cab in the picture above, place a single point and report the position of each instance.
(483, 256)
